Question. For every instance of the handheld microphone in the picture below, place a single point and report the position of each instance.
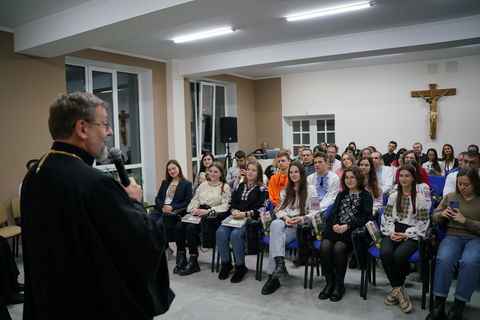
(116, 156)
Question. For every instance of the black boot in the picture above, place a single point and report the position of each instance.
(339, 290)
(192, 267)
(181, 262)
(329, 286)
(280, 269)
(455, 312)
(225, 270)
(438, 311)
(240, 272)
(271, 285)
(353, 263)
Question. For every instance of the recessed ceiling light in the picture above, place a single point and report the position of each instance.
(203, 35)
(329, 11)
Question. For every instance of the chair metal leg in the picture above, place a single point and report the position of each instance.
(218, 262)
(260, 264)
(213, 257)
(432, 276)
(374, 276)
(305, 276)
(312, 266)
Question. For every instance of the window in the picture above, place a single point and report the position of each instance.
(121, 90)
(309, 131)
(209, 104)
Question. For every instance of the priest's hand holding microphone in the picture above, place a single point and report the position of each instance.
(133, 190)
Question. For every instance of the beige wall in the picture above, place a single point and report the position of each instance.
(27, 87)
(268, 112)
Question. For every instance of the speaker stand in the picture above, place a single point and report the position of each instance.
(228, 158)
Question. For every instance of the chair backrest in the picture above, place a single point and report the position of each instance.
(3, 214)
(328, 211)
(15, 204)
(270, 205)
(437, 183)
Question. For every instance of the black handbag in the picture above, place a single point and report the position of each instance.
(209, 226)
(170, 220)
(252, 231)
(303, 240)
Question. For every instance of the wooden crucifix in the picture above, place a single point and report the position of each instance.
(431, 97)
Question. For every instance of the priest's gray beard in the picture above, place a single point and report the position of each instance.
(102, 154)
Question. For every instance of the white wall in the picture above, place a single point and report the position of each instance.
(372, 105)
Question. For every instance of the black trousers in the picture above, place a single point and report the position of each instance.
(395, 257)
(186, 235)
(8, 270)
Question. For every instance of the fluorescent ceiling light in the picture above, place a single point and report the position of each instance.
(203, 35)
(329, 11)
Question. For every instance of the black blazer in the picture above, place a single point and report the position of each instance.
(182, 197)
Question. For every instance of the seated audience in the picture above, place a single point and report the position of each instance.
(307, 160)
(351, 210)
(470, 159)
(390, 156)
(347, 160)
(433, 166)
(384, 173)
(461, 162)
(211, 198)
(299, 204)
(262, 150)
(237, 172)
(202, 174)
(323, 146)
(460, 249)
(421, 157)
(411, 157)
(298, 157)
(325, 182)
(473, 147)
(398, 162)
(249, 199)
(174, 193)
(280, 179)
(365, 153)
(448, 158)
(273, 168)
(405, 219)
(353, 146)
(335, 164)
(371, 183)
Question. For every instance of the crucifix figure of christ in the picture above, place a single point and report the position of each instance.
(431, 97)
(123, 116)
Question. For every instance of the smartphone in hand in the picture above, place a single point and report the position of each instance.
(455, 205)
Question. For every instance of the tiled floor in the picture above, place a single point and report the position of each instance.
(203, 296)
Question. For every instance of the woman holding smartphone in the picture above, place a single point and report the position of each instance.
(405, 219)
(459, 212)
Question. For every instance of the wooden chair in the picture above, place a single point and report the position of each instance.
(7, 231)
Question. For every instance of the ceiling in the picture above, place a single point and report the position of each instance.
(264, 44)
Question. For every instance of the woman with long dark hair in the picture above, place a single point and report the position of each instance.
(351, 210)
(409, 157)
(371, 183)
(298, 204)
(211, 198)
(175, 193)
(461, 245)
(433, 166)
(249, 200)
(405, 219)
(202, 174)
(448, 158)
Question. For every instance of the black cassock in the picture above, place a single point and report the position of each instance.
(90, 252)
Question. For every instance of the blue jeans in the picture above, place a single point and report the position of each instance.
(237, 237)
(462, 252)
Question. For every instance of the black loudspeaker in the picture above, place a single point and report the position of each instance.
(228, 129)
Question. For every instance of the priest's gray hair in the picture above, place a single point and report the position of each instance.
(67, 109)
